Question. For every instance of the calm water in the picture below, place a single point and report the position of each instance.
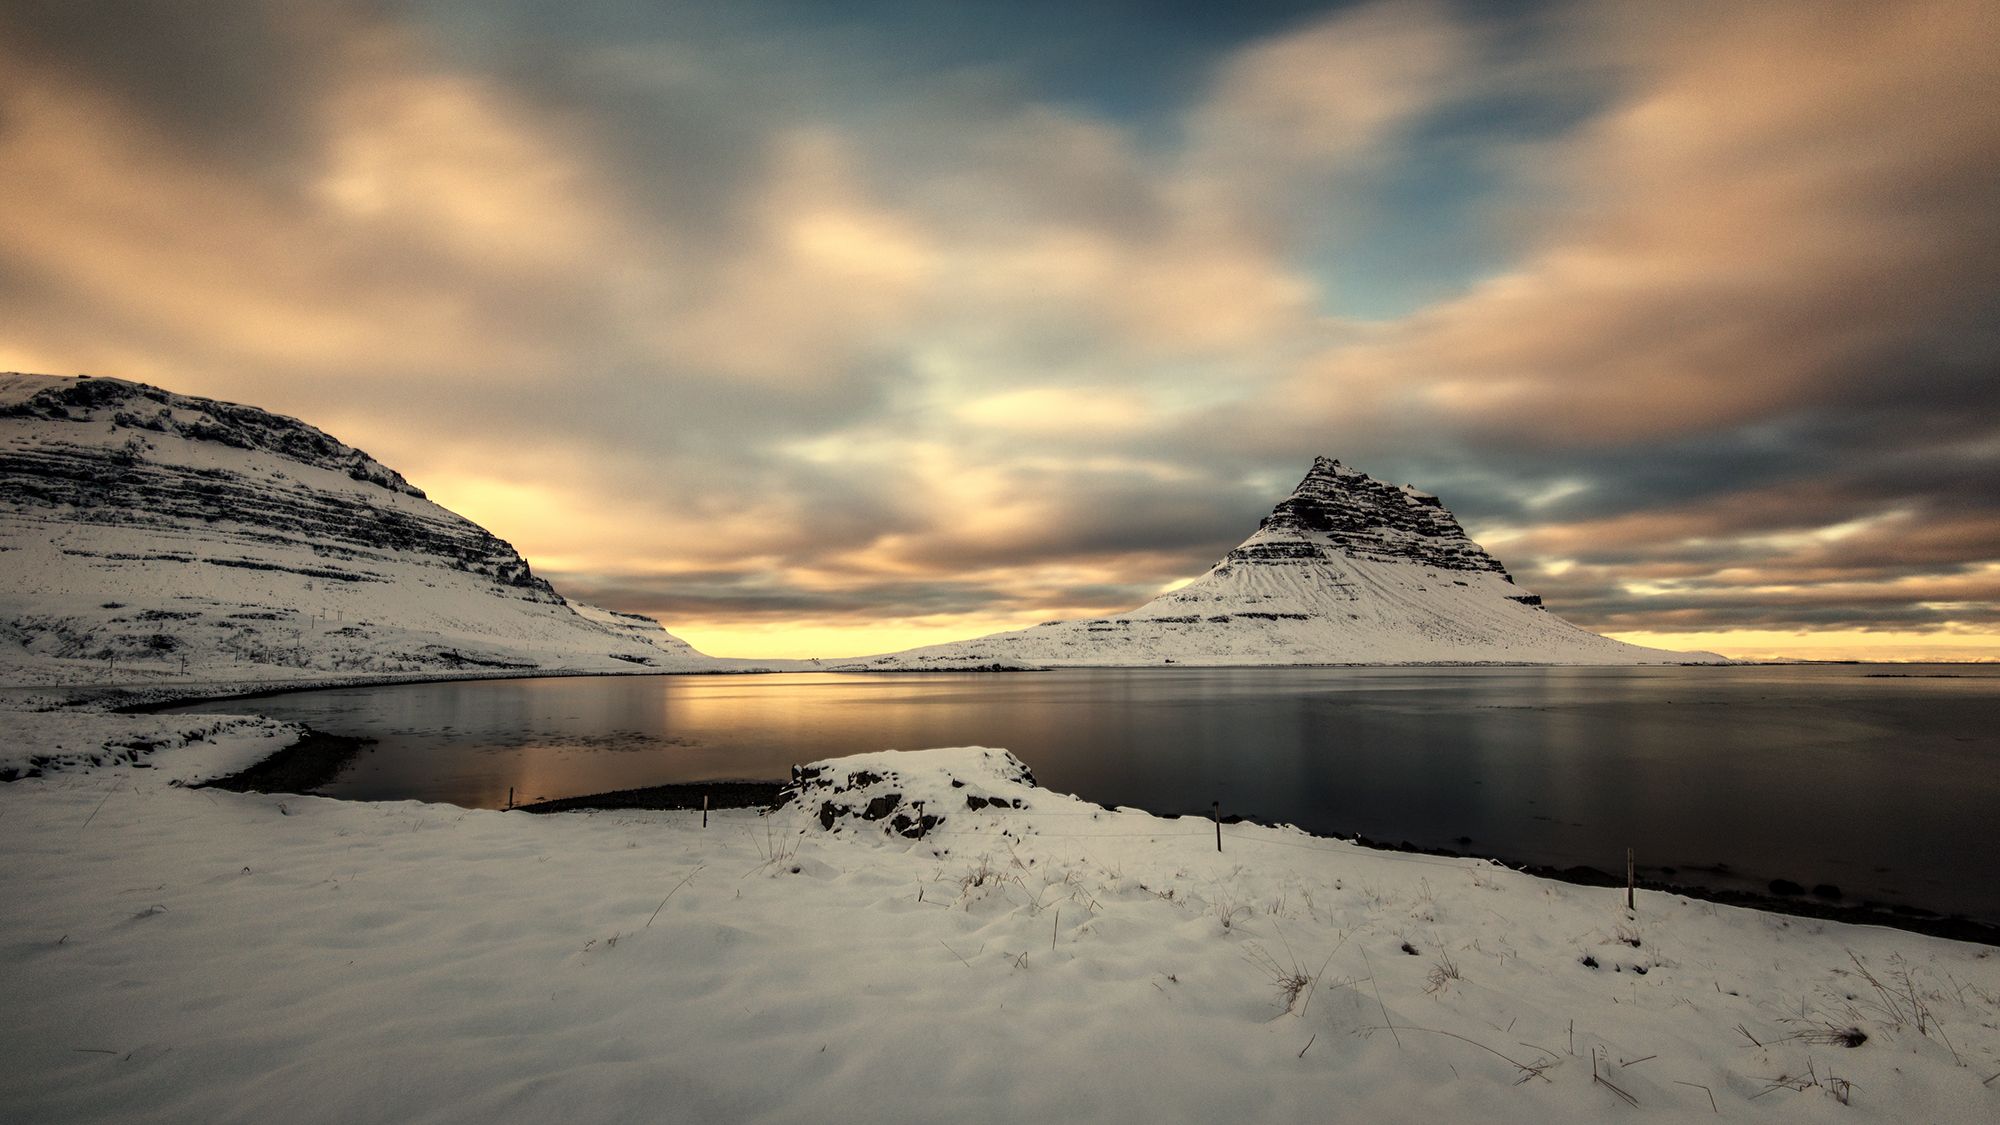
(1882, 781)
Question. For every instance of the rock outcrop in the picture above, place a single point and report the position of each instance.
(909, 793)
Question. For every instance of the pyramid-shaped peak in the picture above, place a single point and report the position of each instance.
(1348, 569)
(1344, 508)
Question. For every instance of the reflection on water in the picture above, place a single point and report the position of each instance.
(1881, 783)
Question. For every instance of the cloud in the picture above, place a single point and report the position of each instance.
(1784, 206)
(395, 251)
(238, 81)
(1288, 115)
(707, 315)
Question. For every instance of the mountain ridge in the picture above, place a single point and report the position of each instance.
(1346, 569)
(183, 536)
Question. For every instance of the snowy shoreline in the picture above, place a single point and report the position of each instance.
(186, 954)
(1915, 917)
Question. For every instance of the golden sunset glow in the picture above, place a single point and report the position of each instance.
(1831, 644)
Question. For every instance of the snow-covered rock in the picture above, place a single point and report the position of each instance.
(908, 793)
(1346, 570)
(148, 535)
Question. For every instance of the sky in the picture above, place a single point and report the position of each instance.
(829, 329)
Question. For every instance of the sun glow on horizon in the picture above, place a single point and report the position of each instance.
(807, 640)
(1888, 647)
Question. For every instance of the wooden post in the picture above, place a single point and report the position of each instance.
(510, 796)
(1217, 807)
(704, 810)
(1629, 879)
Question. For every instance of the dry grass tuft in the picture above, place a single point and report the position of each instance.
(1443, 972)
(1829, 1035)
(1288, 977)
(1840, 1088)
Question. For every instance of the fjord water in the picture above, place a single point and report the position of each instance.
(1883, 781)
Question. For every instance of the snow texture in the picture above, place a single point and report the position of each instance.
(1345, 570)
(152, 536)
(173, 954)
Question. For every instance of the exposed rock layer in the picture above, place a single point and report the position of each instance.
(1337, 510)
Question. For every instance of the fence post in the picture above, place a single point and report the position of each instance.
(1629, 879)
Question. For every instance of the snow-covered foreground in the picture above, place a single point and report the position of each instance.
(175, 954)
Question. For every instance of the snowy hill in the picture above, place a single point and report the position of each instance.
(1345, 570)
(151, 535)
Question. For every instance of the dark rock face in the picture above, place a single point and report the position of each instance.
(141, 409)
(1363, 518)
(124, 484)
(906, 817)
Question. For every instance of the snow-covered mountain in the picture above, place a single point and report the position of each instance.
(1346, 570)
(146, 534)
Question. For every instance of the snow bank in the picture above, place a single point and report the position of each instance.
(169, 954)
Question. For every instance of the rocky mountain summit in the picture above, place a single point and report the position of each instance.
(1347, 569)
(146, 534)
(1341, 510)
